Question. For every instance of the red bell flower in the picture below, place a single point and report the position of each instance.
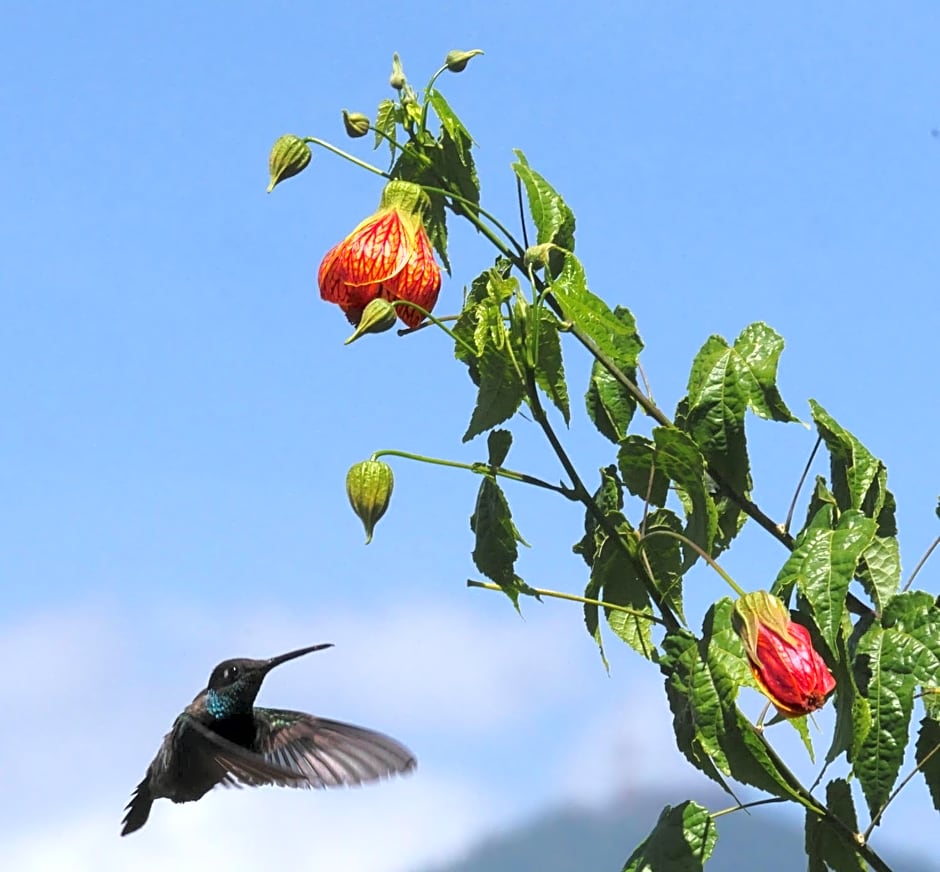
(786, 667)
(388, 255)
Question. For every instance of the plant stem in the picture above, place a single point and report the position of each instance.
(345, 154)
(745, 806)
(921, 562)
(904, 782)
(557, 594)
(685, 540)
(799, 484)
(479, 469)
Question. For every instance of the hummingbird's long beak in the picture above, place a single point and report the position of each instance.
(283, 658)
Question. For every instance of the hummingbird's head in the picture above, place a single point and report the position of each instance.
(234, 684)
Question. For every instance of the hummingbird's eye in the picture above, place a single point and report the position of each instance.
(230, 673)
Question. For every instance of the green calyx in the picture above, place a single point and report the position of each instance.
(377, 317)
(406, 197)
(289, 156)
(456, 61)
(760, 609)
(356, 124)
(369, 488)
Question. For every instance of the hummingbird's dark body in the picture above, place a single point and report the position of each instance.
(222, 738)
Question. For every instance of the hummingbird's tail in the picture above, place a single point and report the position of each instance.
(138, 809)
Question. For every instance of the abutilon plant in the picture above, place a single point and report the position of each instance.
(831, 621)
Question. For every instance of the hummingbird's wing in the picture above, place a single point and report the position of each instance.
(327, 753)
(235, 764)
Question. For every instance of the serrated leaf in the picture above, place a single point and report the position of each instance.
(610, 405)
(554, 220)
(801, 725)
(450, 122)
(714, 413)
(664, 555)
(501, 389)
(638, 470)
(825, 847)
(927, 754)
(387, 118)
(822, 566)
(895, 656)
(549, 367)
(498, 444)
(855, 470)
(853, 713)
(614, 334)
(680, 460)
(495, 548)
(615, 575)
(758, 348)
(457, 168)
(682, 841)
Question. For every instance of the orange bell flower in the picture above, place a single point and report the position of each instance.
(388, 255)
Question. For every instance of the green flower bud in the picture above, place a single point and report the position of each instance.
(397, 79)
(289, 156)
(537, 255)
(356, 124)
(369, 487)
(456, 61)
(377, 317)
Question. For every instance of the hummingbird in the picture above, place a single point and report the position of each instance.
(221, 737)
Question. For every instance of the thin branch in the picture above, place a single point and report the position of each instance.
(558, 594)
(799, 484)
(898, 789)
(921, 562)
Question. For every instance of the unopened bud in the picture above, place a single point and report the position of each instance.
(356, 124)
(369, 487)
(289, 156)
(377, 317)
(397, 79)
(537, 255)
(456, 61)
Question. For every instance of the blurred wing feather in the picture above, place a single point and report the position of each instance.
(327, 753)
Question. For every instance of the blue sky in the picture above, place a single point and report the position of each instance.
(180, 410)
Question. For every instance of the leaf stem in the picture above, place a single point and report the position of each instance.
(557, 594)
(685, 540)
(799, 484)
(345, 154)
(407, 303)
(746, 805)
(904, 782)
(479, 469)
(921, 562)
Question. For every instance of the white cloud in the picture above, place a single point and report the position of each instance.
(395, 827)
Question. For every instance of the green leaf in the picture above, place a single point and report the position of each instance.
(855, 470)
(387, 119)
(679, 458)
(801, 725)
(879, 570)
(853, 712)
(641, 476)
(495, 549)
(822, 566)
(682, 841)
(451, 123)
(893, 657)
(826, 847)
(553, 219)
(456, 167)
(498, 444)
(501, 389)
(664, 555)
(610, 405)
(724, 381)
(702, 681)
(615, 575)
(548, 365)
(613, 333)
(714, 413)
(758, 350)
(928, 757)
